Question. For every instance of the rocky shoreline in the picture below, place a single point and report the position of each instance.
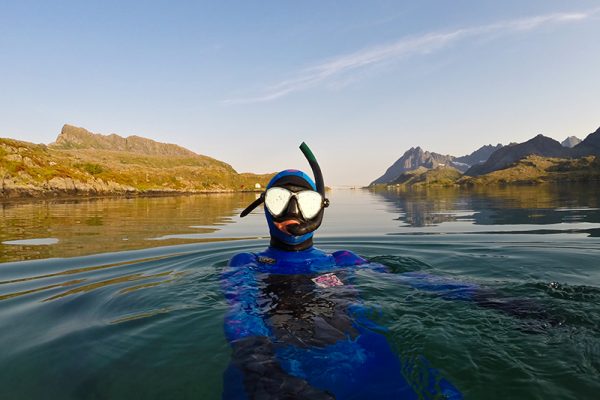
(10, 188)
(84, 164)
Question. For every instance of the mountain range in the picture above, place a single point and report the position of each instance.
(540, 146)
(411, 160)
(415, 158)
(80, 162)
(487, 159)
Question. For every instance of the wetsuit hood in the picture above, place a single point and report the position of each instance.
(298, 235)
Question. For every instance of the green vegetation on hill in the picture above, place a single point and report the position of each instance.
(440, 176)
(538, 160)
(528, 171)
(535, 169)
(28, 169)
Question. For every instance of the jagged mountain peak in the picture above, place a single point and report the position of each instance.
(412, 159)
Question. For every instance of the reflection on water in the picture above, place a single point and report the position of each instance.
(32, 242)
(523, 205)
(120, 323)
(66, 228)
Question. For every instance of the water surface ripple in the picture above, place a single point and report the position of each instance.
(146, 321)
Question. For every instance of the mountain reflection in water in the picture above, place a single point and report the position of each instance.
(90, 226)
(68, 228)
(538, 205)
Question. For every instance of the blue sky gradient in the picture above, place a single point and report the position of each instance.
(246, 82)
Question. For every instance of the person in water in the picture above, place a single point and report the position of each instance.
(295, 322)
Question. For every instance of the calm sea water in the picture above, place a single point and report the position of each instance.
(120, 298)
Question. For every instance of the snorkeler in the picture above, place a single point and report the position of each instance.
(296, 324)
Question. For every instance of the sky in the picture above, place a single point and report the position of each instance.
(246, 82)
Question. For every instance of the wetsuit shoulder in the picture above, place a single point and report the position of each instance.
(241, 259)
(346, 257)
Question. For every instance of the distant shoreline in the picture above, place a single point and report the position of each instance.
(24, 197)
(529, 171)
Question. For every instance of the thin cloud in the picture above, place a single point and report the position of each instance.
(341, 66)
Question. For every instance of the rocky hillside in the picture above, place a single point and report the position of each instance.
(502, 158)
(416, 158)
(539, 159)
(536, 169)
(440, 176)
(83, 163)
(479, 156)
(541, 146)
(530, 170)
(411, 160)
(588, 146)
(72, 137)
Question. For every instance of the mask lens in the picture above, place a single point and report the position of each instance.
(310, 203)
(276, 200)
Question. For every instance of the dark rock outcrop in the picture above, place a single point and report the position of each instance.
(504, 157)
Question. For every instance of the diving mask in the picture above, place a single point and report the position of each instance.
(312, 201)
(309, 202)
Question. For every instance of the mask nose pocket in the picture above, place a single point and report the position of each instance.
(292, 208)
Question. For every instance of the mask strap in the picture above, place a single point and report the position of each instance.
(253, 205)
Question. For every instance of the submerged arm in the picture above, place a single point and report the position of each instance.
(446, 287)
(243, 318)
(485, 297)
(432, 380)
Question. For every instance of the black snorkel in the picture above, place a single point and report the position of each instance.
(314, 223)
(319, 183)
(314, 165)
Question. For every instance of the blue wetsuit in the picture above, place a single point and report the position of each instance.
(296, 325)
(299, 331)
